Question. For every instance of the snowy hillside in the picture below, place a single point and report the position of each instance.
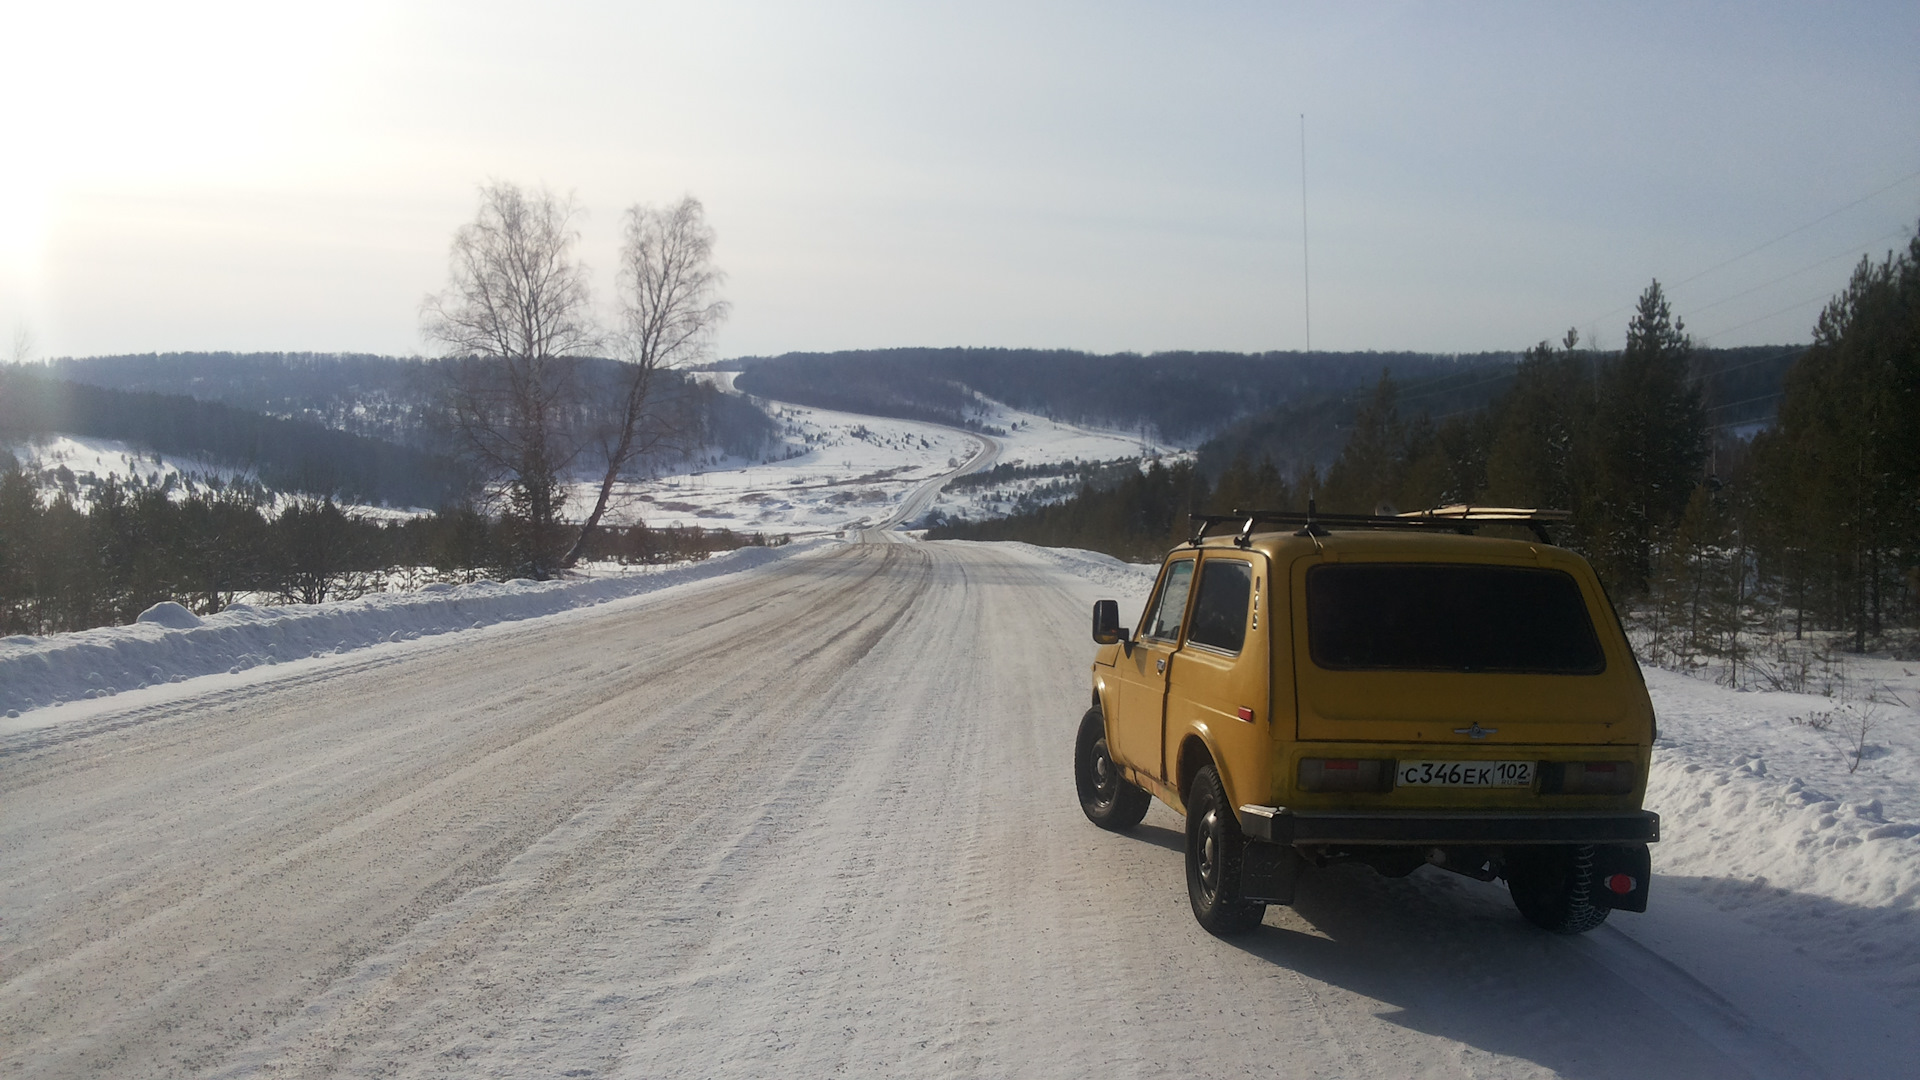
(77, 465)
(837, 470)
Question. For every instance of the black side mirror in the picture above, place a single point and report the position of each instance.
(1106, 622)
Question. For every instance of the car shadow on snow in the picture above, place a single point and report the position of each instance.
(1451, 957)
(1160, 836)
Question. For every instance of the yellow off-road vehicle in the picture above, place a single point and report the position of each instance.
(1394, 691)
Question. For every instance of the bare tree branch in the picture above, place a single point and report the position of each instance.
(516, 315)
(668, 311)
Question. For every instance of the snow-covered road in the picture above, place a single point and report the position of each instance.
(812, 819)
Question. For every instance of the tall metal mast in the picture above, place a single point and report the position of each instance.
(1306, 262)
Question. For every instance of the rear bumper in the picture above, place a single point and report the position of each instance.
(1279, 825)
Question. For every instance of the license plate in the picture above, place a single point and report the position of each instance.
(1463, 774)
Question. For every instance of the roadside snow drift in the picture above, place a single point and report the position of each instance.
(171, 644)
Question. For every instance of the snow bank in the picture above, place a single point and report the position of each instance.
(170, 644)
(1122, 581)
(1830, 876)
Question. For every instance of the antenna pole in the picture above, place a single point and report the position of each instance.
(1306, 263)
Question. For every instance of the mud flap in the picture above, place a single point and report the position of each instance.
(1621, 874)
(1268, 872)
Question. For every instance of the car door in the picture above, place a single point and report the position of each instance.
(1140, 675)
(1218, 685)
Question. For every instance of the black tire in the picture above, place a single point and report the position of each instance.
(1553, 887)
(1214, 850)
(1107, 800)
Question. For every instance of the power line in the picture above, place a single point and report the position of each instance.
(1823, 298)
(1762, 247)
(1856, 249)
(1769, 358)
(1800, 229)
(1747, 401)
(1495, 377)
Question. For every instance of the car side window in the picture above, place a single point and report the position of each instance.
(1163, 622)
(1220, 614)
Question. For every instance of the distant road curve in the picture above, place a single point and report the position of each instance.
(921, 497)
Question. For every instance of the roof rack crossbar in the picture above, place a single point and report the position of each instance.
(1460, 518)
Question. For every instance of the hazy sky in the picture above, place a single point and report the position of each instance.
(1105, 176)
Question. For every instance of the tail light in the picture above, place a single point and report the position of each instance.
(1588, 777)
(1345, 774)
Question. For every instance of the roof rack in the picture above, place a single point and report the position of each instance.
(1460, 518)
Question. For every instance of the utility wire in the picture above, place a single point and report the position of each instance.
(1747, 401)
(1801, 229)
(1495, 377)
(1823, 298)
(1855, 250)
(1762, 247)
(1745, 364)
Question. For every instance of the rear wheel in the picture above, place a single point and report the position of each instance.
(1553, 887)
(1107, 799)
(1214, 851)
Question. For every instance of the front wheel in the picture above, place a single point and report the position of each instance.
(1107, 799)
(1215, 849)
(1553, 887)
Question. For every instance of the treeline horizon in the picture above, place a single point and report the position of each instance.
(1279, 400)
(1812, 523)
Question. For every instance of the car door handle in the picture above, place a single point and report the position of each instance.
(1160, 665)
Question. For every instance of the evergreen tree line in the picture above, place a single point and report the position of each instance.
(1813, 524)
(65, 568)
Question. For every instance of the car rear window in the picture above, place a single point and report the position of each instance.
(1449, 617)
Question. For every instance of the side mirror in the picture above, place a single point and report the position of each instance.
(1106, 622)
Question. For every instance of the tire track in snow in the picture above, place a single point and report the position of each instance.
(458, 814)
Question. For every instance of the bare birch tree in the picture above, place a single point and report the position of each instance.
(516, 316)
(668, 311)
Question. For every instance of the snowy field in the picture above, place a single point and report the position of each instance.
(836, 471)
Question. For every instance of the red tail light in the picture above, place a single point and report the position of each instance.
(1588, 777)
(1345, 774)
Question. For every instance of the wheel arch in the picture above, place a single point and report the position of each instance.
(1195, 754)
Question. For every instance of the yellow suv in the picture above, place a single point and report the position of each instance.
(1393, 691)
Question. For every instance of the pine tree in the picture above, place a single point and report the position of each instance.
(1539, 430)
(1841, 471)
(1649, 444)
(1371, 465)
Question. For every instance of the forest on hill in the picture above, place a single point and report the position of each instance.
(291, 455)
(1291, 407)
(1182, 397)
(1711, 529)
(398, 399)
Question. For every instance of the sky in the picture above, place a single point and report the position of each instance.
(1111, 176)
